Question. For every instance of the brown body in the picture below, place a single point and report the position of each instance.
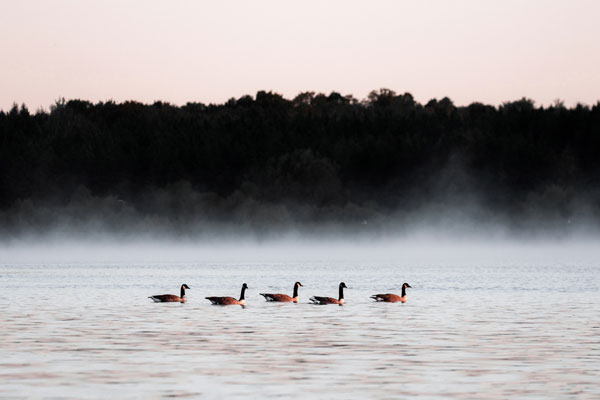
(392, 298)
(226, 300)
(331, 300)
(389, 298)
(283, 298)
(326, 300)
(171, 298)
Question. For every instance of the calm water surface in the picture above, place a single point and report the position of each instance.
(89, 331)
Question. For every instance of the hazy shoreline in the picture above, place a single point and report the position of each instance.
(265, 164)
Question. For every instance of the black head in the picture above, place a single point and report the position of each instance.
(343, 285)
(185, 286)
(244, 286)
(406, 285)
(298, 284)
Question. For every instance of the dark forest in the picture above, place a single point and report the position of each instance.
(264, 163)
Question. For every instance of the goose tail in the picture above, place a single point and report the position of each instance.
(267, 296)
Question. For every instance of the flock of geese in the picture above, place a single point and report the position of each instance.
(284, 298)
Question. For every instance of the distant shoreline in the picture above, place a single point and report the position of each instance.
(266, 163)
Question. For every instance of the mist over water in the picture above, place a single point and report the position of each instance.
(449, 245)
(420, 249)
(495, 311)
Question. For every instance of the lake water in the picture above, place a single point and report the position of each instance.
(88, 330)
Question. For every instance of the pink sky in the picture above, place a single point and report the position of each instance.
(209, 51)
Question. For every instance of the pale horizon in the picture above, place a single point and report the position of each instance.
(469, 51)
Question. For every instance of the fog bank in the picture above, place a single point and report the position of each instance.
(419, 249)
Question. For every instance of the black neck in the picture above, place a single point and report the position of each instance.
(243, 293)
(341, 292)
(295, 291)
(403, 290)
(182, 293)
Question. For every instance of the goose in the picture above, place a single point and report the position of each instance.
(392, 298)
(171, 298)
(283, 297)
(225, 301)
(330, 300)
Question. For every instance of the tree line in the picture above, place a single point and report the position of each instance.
(268, 160)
